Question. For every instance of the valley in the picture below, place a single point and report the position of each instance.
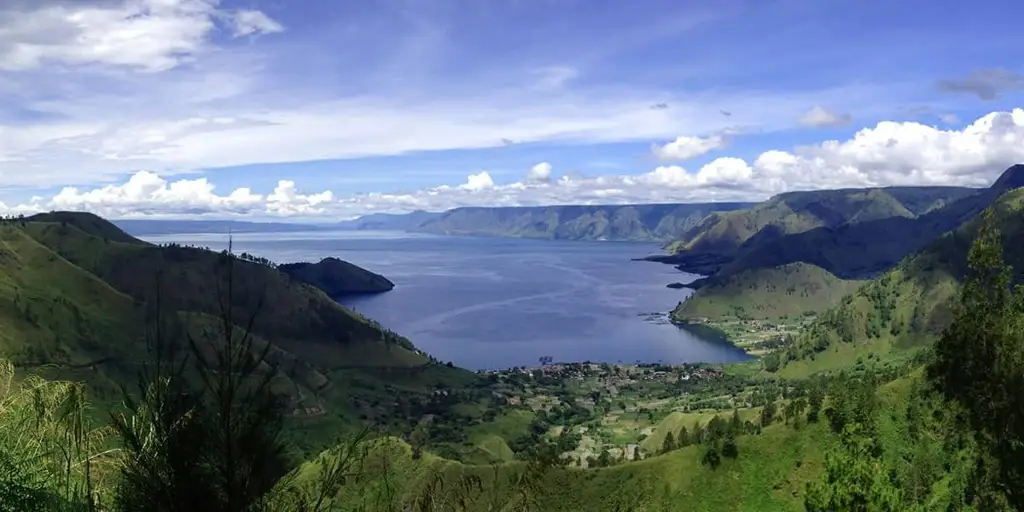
(831, 354)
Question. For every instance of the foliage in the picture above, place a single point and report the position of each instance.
(766, 293)
(979, 366)
(50, 458)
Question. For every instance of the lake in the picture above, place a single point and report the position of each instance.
(488, 303)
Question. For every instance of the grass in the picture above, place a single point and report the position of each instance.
(769, 474)
(766, 293)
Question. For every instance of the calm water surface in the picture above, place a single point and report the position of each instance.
(496, 303)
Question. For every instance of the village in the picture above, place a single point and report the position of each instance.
(608, 410)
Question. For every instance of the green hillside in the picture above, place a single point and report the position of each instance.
(337, 278)
(797, 212)
(769, 474)
(78, 297)
(654, 222)
(910, 304)
(765, 293)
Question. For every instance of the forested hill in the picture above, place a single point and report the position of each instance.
(731, 232)
(78, 297)
(650, 222)
(911, 304)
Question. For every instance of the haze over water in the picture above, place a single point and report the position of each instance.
(485, 303)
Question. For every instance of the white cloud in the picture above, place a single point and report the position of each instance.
(249, 22)
(685, 148)
(890, 153)
(479, 181)
(151, 35)
(106, 136)
(540, 173)
(820, 117)
(147, 193)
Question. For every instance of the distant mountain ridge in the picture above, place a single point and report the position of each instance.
(635, 222)
(631, 222)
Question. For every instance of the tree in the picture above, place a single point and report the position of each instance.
(735, 424)
(815, 400)
(205, 431)
(855, 478)
(711, 456)
(979, 367)
(768, 414)
(669, 443)
(683, 439)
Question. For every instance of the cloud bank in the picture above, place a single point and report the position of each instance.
(890, 153)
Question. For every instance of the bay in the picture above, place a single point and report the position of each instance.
(489, 303)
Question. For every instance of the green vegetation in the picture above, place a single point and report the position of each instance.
(859, 412)
(776, 266)
(790, 290)
(796, 212)
(909, 306)
(76, 295)
(654, 222)
(337, 278)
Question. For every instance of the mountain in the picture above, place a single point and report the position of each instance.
(796, 212)
(850, 252)
(337, 278)
(652, 222)
(389, 221)
(910, 304)
(77, 296)
(865, 249)
(765, 293)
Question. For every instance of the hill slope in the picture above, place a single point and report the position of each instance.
(337, 278)
(910, 304)
(797, 212)
(765, 293)
(656, 222)
(76, 294)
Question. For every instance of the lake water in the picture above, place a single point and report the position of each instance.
(486, 303)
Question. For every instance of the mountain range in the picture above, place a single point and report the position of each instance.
(651, 222)
(852, 245)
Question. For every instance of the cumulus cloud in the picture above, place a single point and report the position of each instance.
(479, 181)
(987, 84)
(540, 173)
(820, 117)
(146, 193)
(890, 153)
(685, 148)
(151, 35)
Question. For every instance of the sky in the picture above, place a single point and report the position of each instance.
(307, 109)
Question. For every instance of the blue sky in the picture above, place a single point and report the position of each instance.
(312, 109)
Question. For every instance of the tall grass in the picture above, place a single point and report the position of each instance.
(50, 458)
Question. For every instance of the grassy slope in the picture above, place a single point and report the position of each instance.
(910, 305)
(768, 475)
(85, 292)
(767, 293)
(57, 320)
